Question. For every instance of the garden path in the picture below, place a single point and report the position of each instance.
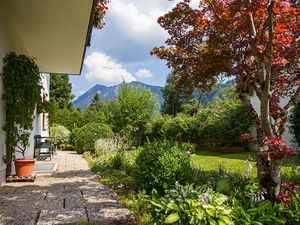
(70, 195)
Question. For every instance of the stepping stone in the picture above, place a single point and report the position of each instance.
(62, 216)
(111, 216)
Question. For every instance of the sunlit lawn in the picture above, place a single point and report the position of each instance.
(235, 162)
(232, 162)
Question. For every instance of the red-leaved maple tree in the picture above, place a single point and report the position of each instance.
(255, 41)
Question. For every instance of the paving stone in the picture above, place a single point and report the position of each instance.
(65, 196)
(111, 216)
(65, 216)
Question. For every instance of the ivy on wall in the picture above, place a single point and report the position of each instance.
(22, 92)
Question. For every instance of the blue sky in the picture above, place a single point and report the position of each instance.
(121, 50)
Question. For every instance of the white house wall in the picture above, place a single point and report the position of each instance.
(3, 50)
(44, 131)
(287, 135)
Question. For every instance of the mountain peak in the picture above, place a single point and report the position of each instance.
(111, 92)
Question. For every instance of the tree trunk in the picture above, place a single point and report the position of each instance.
(8, 169)
(269, 174)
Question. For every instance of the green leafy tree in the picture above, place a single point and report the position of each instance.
(174, 98)
(75, 118)
(135, 106)
(61, 91)
(96, 104)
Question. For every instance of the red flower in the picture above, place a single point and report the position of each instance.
(247, 137)
(277, 149)
(285, 198)
(289, 187)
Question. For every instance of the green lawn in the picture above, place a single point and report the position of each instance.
(232, 162)
(235, 162)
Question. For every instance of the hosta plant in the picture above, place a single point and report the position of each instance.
(191, 205)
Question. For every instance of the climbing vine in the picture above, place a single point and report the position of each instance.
(22, 92)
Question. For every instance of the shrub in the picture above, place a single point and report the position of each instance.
(102, 163)
(161, 163)
(115, 144)
(60, 133)
(222, 119)
(103, 146)
(88, 134)
(72, 137)
(66, 147)
(179, 126)
(154, 127)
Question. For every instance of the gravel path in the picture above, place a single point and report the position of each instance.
(71, 194)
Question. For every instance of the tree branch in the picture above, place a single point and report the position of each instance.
(257, 91)
(292, 100)
(271, 34)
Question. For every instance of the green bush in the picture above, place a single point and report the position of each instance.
(60, 133)
(154, 127)
(219, 120)
(103, 146)
(179, 126)
(161, 163)
(167, 127)
(295, 121)
(88, 134)
(222, 119)
(72, 137)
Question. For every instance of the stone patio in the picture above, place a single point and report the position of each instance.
(69, 195)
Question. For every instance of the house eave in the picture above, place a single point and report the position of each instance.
(55, 32)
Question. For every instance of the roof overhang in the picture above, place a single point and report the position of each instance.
(55, 32)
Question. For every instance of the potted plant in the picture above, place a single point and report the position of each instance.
(22, 93)
(23, 166)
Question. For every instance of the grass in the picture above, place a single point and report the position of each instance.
(235, 162)
(232, 162)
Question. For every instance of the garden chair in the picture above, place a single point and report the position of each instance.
(42, 147)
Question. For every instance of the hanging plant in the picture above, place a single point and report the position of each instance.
(100, 11)
(22, 93)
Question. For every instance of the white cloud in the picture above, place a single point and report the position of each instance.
(143, 73)
(105, 70)
(136, 23)
(137, 19)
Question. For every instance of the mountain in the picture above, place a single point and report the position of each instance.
(110, 93)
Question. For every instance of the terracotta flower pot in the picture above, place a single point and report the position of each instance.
(24, 167)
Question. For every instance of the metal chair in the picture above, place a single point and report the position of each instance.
(42, 147)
